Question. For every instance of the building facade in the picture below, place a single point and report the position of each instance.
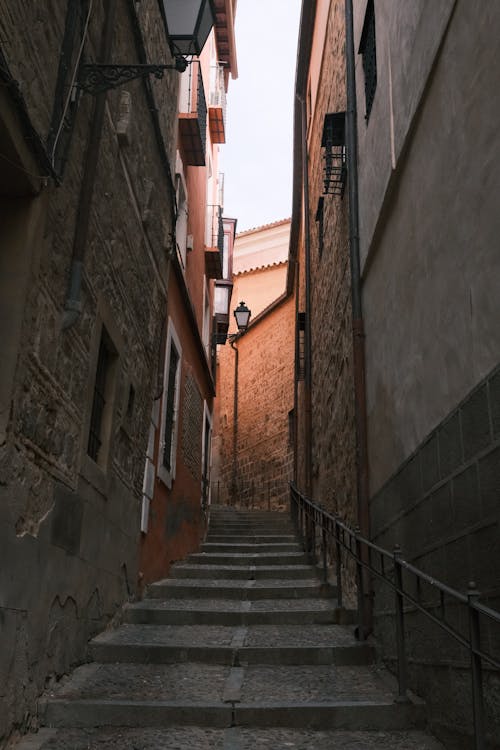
(253, 435)
(429, 269)
(176, 489)
(101, 269)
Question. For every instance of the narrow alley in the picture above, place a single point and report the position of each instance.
(242, 647)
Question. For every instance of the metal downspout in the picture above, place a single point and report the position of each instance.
(307, 269)
(73, 305)
(235, 424)
(363, 490)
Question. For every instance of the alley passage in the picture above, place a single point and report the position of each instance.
(240, 649)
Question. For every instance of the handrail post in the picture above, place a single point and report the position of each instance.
(338, 565)
(359, 577)
(476, 667)
(400, 626)
(324, 552)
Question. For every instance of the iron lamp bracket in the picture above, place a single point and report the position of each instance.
(95, 78)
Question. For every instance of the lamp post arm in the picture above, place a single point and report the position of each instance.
(94, 78)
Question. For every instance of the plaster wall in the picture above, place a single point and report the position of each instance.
(430, 294)
(261, 247)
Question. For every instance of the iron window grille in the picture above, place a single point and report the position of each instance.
(99, 401)
(334, 155)
(170, 408)
(368, 52)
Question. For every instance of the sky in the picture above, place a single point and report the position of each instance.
(257, 155)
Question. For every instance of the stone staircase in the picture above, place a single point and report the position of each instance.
(241, 648)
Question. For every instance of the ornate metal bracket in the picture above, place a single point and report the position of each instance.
(95, 78)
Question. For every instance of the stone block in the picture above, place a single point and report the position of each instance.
(450, 446)
(67, 520)
(429, 463)
(494, 389)
(466, 505)
(475, 420)
(489, 478)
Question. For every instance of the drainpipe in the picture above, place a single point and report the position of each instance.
(73, 305)
(363, 489)
(235, 422)
(307, 269)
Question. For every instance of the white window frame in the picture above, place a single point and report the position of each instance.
(207, 417)
(168, 476)
(205, 335)
(181, 225)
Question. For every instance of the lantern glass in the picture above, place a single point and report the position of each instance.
(221, 299)
(242, 315)
(188, 25)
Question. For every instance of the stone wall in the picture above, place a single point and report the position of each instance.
(263, 469)
(68, 526)
(442, 507)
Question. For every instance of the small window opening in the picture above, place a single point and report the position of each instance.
(301, 346)
(100, 400)
(319, 220)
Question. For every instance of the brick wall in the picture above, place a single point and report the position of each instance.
(264, 455)
(69, 530)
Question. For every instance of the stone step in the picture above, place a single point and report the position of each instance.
(251, 539)
(263, 558)
(244, 590)
(253, 547)
(277, 527)
(242, 572)
(150, 644)
(228, 612)
(155, 695)
(231, 738)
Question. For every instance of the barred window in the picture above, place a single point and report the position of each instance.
(368, 51)
(301, 346)
(170, 407)
(319, 220)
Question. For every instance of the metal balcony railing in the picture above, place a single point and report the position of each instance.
(214, 242)
(329, 539)
(217, 104)
(193, 115)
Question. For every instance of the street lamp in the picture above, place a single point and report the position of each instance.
(188, 24)
(242, 315)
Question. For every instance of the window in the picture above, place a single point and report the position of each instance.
(368, 51)
(170, 407)
(100, 418)
(206, 318)
(319, 220)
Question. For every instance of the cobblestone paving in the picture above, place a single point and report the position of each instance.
(155, 682)
(168, 635)
(182, 738)
(283, 739)
(318, 684)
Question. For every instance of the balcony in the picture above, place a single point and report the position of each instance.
(217, 105)
(192, 116)
(214, 243)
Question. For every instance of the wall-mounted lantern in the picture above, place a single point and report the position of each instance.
(242, 315)
(188, 24)
(333, 142)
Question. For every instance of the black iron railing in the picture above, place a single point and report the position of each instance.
(330, 539)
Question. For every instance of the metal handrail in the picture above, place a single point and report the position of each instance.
(309, 517)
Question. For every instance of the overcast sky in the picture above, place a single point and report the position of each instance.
(257, 156)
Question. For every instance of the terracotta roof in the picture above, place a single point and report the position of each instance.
(264, 226)
(259, 268)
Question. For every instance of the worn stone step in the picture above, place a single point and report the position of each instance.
(244, 590)
(251, 547)
(278, 527)
(220, 538)
(207, 695)
(228, 612)
(230, 738)
(242, 572)
(150, 644)
(263, 558)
